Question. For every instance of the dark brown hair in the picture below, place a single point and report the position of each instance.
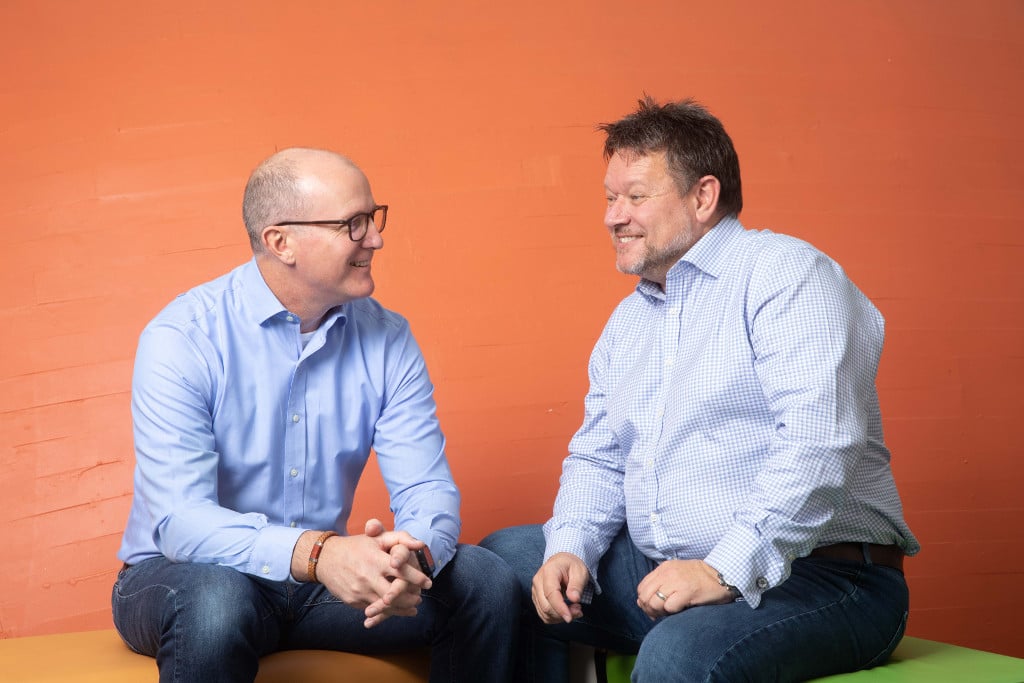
(694, 141)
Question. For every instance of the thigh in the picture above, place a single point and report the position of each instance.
(324, 622)
(159, 600)
(522, 548)
(612, 618)
(828, 617)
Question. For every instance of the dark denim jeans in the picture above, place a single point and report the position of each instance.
(212, 624)
(829, 617)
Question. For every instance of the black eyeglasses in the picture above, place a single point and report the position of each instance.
(356, 225)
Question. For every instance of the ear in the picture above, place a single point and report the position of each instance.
(278, 242)
(705, 196)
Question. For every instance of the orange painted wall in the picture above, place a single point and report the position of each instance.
(887, 133)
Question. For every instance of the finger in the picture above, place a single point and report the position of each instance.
(553, 609)
(550, 604)
(390, 539)
(400, 604)
(540, 602)
(650, 600)
(651, 582)
(400, 555)
(403, 595)
(374, 527)
(405, 566)
(651, 610)
(374, 621)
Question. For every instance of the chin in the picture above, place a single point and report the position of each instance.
(629, 268)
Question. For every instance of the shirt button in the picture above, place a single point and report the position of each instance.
(290, 318)
(292, 525)
(295, 418)
(649, 462)
(654, 517)
(294, 472)
(669, 362)
(266, 569)
(762, 582)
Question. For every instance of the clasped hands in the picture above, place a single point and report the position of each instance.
(671, 587)
(375, 571)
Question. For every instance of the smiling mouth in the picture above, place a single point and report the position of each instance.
(360, 264)
(623, 239)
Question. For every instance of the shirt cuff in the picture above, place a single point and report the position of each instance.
(748, 562)
(271, 556)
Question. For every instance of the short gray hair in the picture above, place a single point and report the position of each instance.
(272, 195)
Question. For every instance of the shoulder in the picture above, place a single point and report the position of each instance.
(766, 248)
(202, 306)
(767, 259)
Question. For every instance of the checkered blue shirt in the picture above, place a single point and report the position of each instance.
(733, 417)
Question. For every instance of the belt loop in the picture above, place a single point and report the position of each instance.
(866, 550)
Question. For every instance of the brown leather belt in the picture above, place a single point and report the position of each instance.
(885, 555)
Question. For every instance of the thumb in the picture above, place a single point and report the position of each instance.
(374, 527)
(579, 575)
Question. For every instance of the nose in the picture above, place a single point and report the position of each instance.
(615, 214)
(372, 239)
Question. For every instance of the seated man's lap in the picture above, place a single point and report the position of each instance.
(828, 616)
(200, 601)
(207, 603)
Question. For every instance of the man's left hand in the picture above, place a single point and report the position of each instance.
(404, 594)
(675, 585)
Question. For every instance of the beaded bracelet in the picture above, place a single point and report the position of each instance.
(314, 555)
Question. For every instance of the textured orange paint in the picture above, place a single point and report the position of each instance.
(885, 133)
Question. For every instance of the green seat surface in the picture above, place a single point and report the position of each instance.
(915, 661)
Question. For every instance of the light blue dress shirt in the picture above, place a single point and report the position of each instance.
(245, 437)
(733, 417)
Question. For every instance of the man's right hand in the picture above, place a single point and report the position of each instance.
(558, 588)
(375, 572)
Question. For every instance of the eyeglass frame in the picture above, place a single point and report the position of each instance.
(347, 222)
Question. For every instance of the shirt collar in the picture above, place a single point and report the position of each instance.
(708, 255)
(265, 306)
(262, 302)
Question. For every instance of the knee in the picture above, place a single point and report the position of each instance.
(213, 607)
(521, 547)
(484, 576)
(674, 655)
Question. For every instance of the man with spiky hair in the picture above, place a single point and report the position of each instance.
(727, 510)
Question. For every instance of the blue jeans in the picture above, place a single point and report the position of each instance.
(209, 623)
(830, 616)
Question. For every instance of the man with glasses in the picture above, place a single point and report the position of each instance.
(256, 400)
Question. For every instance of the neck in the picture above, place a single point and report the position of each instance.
(310, 312)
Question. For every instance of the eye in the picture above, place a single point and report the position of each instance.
(636, 198)
(358, 222)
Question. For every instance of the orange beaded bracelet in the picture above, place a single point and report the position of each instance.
(314, 555)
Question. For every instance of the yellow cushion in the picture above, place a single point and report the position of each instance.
(101, 657)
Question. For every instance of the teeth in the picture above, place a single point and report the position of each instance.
(627, 238)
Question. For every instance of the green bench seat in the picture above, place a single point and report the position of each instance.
(915, 661)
